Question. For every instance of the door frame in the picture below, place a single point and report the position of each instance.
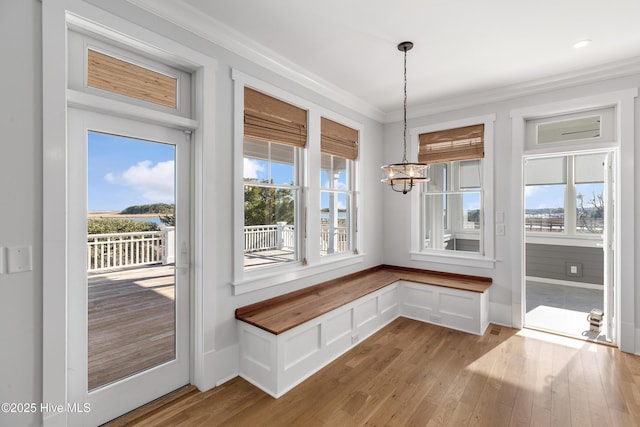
(112, 400)
(611, 273)
(57, 17)
(624, 103)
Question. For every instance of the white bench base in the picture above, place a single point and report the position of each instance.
(277, 363)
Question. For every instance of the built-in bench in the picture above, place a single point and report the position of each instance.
(284, 340)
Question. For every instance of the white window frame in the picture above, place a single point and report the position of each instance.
(486, 260)
(311, 263)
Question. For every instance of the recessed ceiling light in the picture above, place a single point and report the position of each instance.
(581, 43)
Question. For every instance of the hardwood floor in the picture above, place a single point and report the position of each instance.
(131, 322)
(416, 374)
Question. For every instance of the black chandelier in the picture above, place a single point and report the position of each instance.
(403, 176)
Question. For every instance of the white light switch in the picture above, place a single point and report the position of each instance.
(500, 230)
(499, 216)
(19, 259)
(574, 269)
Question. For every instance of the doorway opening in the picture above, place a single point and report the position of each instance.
(569, 223)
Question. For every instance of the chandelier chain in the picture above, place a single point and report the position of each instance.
(404, 152)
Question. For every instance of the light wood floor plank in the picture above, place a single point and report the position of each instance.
(416, 374)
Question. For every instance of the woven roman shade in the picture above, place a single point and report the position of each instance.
(338, 140)
(124, 78)
(466, 143)
(271, 120)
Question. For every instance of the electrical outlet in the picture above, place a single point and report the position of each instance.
(19, 259)
(573, 269)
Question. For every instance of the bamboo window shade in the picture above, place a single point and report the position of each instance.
(338, 140)
(465, 143)
(271, 120)
(124, 78)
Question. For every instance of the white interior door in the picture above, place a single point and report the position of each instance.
(128, 291)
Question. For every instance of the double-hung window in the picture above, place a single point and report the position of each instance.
(275, 135)
(452, 201)
(453, 216)
(295, 187)
(565, 195)
(339, 149)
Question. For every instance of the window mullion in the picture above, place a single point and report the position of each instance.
(570, 198)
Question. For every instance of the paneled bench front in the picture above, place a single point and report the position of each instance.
(286, 339)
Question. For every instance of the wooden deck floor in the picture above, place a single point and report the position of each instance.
(264, 258)
(131, 322)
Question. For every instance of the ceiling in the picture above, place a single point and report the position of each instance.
(463, 48)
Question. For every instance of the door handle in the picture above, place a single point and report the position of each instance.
(184, 256)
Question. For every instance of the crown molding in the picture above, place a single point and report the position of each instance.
(608, 71)
(186, 16)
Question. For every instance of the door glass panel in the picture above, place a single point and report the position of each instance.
(130, 256)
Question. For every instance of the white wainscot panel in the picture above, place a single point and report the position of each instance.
(257, 349)
(458, 310)
(365, 312)
(418, 302)
(388, 300)
(258, 357)
(339, 327)
(301, 345)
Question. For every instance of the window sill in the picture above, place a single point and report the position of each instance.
(440, 257)
(590, 241)
(280, 276)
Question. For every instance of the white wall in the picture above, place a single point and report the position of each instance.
(396, 237)
(21, 212)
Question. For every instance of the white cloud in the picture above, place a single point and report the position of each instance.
(155, 183)
(530, 190)
(252, 168)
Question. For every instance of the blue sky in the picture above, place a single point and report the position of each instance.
(123, 172)
(552, 196)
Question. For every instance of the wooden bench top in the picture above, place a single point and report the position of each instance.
(284, 312)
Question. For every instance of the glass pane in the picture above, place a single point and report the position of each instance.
(333, 172)
(269, 226)
(282, 164)
(267, 162)
(462, 231)
(334, 223)
(436, 232)
(590, 208)
(130, 256)
(544, 208)
(471, 211)
(438, 182)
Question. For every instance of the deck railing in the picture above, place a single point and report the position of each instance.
(269, 237)
(336, 243)
(118, 250)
